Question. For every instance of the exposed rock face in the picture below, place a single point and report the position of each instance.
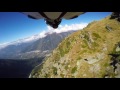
(115, 15)
(93, 52)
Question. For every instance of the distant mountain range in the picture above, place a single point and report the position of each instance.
(32, 47)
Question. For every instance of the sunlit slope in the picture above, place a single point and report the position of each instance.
(85, 53)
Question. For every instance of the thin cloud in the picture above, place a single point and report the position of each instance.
(50, 30)
(63, 28)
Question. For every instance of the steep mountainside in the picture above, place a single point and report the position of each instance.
(93, 52)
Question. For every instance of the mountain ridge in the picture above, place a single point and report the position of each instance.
(34, 46)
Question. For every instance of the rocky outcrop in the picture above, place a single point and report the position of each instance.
(115, 60)
(108, 28)
(115, 15)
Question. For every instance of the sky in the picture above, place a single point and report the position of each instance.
(16, 25)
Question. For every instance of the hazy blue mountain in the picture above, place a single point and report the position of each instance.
(32, 47)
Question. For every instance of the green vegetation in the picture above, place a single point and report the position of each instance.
(56, 57)
(118, 58)
(106, 64)
(96, 35)
(79, 58)
(74, 70)
(85, 42)
(62, 75)
(82, 52)
(95, 44)
(47, 75)
(86, 37)
(68, 44)
(83, 46)
(66, 67)
(61, 51)
(54, 70)
(118, 52)
(64, 49)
